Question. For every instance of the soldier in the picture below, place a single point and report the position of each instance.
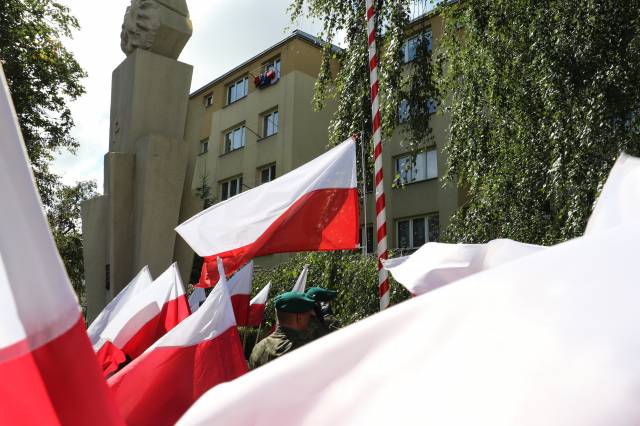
(322, 320)
(294, 312)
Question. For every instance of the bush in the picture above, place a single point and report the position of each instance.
(353, 275)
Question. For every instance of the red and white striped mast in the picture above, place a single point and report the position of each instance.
(381, 218)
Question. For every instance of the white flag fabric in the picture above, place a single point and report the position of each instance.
(550, 339)
(196, 298)
(257, 306)
(311, 208)
(619, 201)
(144, 317)
(47, 366)
(436, 264)
(200, 352)
(138, 284)
(301, 283)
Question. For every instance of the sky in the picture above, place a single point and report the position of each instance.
(225, 34)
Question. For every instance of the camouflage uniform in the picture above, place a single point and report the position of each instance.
(278, 343)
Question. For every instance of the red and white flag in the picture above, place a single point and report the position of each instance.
(146, 317)
(196, 299)
(109, 357)
(48, 371)
(301, 283)
(257, 305)
(239, 286)
(312, 208)
(201, 352)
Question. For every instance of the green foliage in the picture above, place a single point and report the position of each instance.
(64, 220)
(353, 275)
(42, 76)
(350, 86)
(543, 96)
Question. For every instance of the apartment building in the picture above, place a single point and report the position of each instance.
(172, 154)
(251, 125)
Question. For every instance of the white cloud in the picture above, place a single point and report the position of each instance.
(226, 33)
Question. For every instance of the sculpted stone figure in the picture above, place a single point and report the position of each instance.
(160, 26)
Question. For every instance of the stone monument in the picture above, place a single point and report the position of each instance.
(132, 224)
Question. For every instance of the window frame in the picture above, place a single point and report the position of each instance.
(427, 232)
(415, 38)
(275, 127)
(368, 227)
(207, 100)
(229, 147)
(204, 146)
(400, 180)
(272, 171)
(225, 196)
(244, 81)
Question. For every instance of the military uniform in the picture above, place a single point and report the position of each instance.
(284, 339)
(278, 343)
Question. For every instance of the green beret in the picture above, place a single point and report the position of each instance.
(293, 302)
(320, 294)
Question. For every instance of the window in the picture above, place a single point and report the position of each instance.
(208, 100)
(404, 109)
(267, 174)
(234, 139)
(237, 90)
(230, 188)
(410, 47)
(204, 146)
(369, 238)
(424, 167)
(413, 232)
(107, 277)
(270, 124)
(275, 66)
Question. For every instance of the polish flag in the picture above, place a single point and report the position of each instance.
(312, 208)
(48, 372)
(144, 319)
(201, 352)
(436, 264)
(196, 299)
(533, 341)
(239, 286)
(301, 283)
(257, 305)
(109, 356)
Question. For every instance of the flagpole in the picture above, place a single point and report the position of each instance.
(365, 237)
(381, 219)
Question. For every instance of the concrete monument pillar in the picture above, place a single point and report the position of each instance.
(133, 223)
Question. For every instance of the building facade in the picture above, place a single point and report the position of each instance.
(245, 128)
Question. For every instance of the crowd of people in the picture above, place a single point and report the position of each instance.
(301, 318)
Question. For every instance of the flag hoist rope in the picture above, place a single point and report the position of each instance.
(381, 219)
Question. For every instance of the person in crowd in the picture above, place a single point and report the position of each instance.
(293, 310)
(322, 319)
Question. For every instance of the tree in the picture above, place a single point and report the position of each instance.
(353, 275)
(65, 223)
(543, 96)
(43, 77)
(398, 82)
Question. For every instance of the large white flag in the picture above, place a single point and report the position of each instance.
(312, 208)
(552, 338)
(48, 372)
(436, 264)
